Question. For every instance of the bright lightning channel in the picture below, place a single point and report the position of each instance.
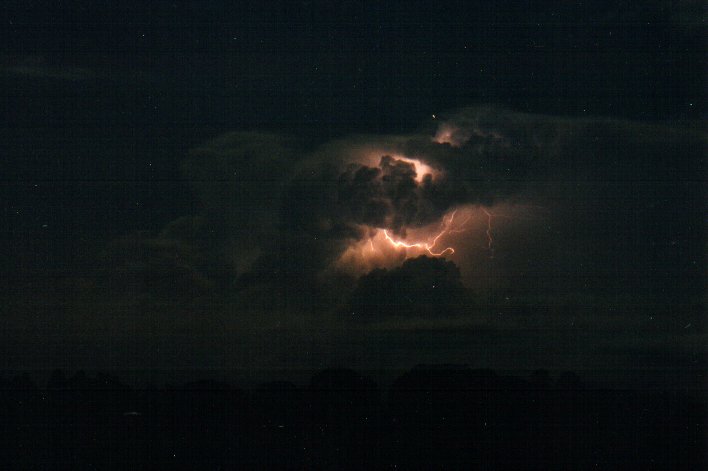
(490, 239)
(428, 247)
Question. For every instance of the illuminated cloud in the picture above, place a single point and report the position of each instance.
(512, 199)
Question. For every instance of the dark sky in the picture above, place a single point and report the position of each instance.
(194, 185)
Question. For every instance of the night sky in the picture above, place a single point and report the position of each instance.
(230, 187)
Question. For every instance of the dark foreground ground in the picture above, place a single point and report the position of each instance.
(432, 417)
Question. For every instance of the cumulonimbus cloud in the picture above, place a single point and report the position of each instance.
(286, 214)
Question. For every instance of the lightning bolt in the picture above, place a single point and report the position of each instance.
(490, 239)
(420, 245)
(428, 247)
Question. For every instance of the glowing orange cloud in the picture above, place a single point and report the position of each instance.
(421, 168)
(373, 158)
(446, 135)
(457, 137)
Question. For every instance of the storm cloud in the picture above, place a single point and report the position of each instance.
(596, 225)
(582, 212)
(590, 201)
(422, 287)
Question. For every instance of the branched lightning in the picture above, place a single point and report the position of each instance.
(450, 225)
(429, 247)
(419, 245)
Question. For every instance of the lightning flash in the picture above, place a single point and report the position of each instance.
(430, 246)
(384, 247)
(490, 239)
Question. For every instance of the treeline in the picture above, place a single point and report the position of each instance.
(432, 417)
